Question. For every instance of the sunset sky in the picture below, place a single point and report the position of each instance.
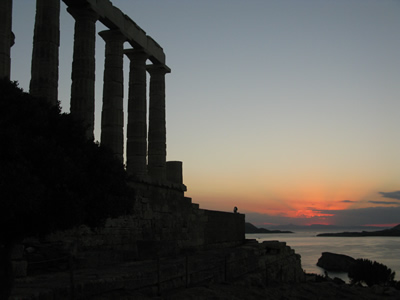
(287, 109)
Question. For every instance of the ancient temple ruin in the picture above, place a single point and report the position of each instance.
(164, 223)
(44, 78)
(163, 214)
(145, 151)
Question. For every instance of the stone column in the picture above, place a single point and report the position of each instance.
(6, 37)
(46, 42)
(157, 127)
(174, 172)
(112, 118)
(83, 67)
(136, 147)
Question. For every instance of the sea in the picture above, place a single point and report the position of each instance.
(384, 250)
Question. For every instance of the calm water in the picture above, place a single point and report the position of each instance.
(385, 250)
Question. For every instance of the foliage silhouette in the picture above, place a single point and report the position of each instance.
(51, 176)
(370, 273)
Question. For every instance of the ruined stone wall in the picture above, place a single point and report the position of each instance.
(166, 224)
(223, 228)
(164, 221)
(254, 264)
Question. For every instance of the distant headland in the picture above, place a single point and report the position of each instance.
(250, 228)
(395, 231)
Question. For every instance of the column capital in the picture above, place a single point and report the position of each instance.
(83, 14)
(112, 35)
(137, 54)
(158, 68)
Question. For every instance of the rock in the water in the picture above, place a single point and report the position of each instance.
(335, 262)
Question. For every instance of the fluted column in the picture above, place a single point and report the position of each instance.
(136, 147)
(157, 127)
(112, 118)
(83, 67)
(6, 37)
(46, 43)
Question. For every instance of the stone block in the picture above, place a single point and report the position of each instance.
(17, 252)
(20, 268)
(148, 215)
(164, 208)
(144, 200)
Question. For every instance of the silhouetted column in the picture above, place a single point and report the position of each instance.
(174, 172)
(83, 67)
(112, 118)
(6, 37)
(136, 147)
(157, 130)
(46, 42)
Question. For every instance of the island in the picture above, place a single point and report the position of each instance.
(250, 228)
(395, 231)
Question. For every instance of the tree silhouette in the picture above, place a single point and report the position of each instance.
(51, 177)
(371, 273)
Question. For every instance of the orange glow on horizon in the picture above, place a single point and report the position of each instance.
(310, 208)
(307, 202)
(299, 208)
(308, 213)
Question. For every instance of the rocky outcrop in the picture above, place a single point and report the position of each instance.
(335, 262)
(277, 263)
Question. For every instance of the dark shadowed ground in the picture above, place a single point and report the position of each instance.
(245, 290)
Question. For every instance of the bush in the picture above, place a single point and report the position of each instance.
(370, 273)
(52, 177)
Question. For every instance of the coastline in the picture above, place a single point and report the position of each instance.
(395, 231)
(381, 249)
